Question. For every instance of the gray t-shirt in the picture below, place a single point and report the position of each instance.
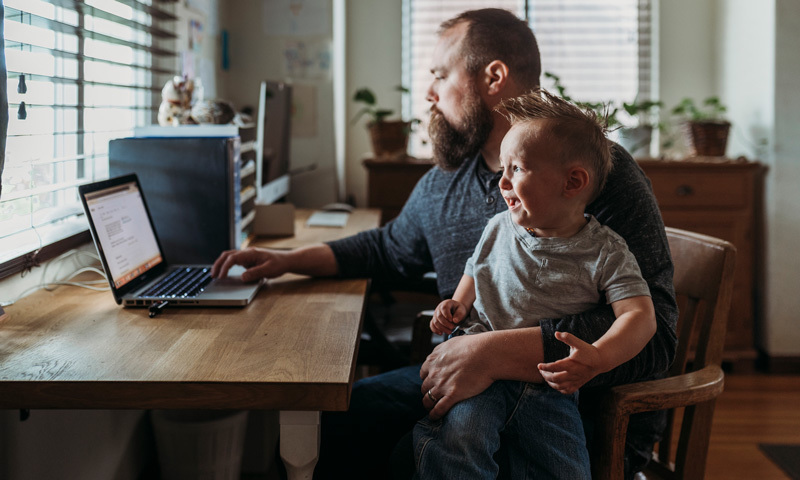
(521, 279)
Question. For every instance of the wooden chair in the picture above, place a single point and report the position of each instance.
(703, 282)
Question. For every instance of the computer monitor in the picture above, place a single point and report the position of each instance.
(273, 138)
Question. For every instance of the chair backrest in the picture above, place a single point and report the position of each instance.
(703, 280)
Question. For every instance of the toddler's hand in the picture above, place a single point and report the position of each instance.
(569, 374)
(446, 316)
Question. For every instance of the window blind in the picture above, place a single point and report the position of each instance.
(80, 73)
(600, 49)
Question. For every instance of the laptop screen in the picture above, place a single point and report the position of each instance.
(123, 230)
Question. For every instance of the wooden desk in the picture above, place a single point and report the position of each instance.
(292, 349)
(360, 220)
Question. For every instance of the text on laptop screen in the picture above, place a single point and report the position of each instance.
(124, 232)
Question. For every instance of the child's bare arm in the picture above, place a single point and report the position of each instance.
(451, 312)
(628, 335)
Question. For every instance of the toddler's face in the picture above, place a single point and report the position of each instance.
(533, 179)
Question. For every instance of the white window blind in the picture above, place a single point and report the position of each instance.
(600, 49)
(93, 71)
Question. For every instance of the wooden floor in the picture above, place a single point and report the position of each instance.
(753, 409)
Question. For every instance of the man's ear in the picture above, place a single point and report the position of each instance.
(577, 181)
(496, 77)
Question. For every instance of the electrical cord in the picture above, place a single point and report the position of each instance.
(50, 286)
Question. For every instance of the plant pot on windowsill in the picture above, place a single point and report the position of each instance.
(389, 138)
(705, 125)
(709, 138)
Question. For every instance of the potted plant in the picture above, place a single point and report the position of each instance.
(637, 138)
(706, 125)
(389, 137)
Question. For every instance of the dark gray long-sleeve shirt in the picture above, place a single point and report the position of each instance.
(441, 223)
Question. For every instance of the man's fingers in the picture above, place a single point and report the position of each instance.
(261, 270)
(441, 408)
(229, 262)
(218, 270)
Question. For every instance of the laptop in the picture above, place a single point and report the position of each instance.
(134, 262)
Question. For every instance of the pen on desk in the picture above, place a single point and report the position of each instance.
(156, 308)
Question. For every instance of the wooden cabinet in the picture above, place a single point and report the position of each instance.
(389, 183)
(723, 199)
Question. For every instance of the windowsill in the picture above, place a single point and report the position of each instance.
(14, 286)
(55, 240)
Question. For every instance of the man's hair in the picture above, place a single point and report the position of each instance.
(580, 133)
(496, 34)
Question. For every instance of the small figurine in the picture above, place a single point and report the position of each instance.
(177, 98)
(182, 103)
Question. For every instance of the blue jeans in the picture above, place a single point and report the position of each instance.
(540, 429)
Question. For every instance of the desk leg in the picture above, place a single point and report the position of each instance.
(299, 443)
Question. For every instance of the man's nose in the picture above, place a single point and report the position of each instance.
(431, 95)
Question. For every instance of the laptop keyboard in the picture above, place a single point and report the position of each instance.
(181, 283)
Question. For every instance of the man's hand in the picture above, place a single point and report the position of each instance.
(259, 262)
(447, 314)
(454, 371)
(569, 374)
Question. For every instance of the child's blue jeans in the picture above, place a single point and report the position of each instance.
(540, 429)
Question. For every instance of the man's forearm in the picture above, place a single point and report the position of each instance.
(513, 354)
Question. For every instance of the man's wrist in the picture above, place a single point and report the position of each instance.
(512, 354)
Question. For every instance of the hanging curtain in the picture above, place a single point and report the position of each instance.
(3, 95)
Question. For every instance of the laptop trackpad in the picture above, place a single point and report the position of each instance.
(233, 282)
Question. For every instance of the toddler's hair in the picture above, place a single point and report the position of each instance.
(580, 132)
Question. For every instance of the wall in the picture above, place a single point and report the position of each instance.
(686, 50)
(782, 335)
(374, 49)
(743, 64)
(256, 54)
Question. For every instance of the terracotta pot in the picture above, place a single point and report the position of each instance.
(709, 138)
(389, 138)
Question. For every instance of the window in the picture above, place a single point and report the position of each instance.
(600, 49)
(93, 71)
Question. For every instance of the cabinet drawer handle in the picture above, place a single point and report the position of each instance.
(684, 191)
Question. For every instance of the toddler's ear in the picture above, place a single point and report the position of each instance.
(577, 181)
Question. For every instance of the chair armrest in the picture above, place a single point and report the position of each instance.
(618, 403)
(653, 395)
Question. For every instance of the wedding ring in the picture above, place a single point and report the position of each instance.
(430, 395)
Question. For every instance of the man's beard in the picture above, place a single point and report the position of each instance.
(452, 144)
